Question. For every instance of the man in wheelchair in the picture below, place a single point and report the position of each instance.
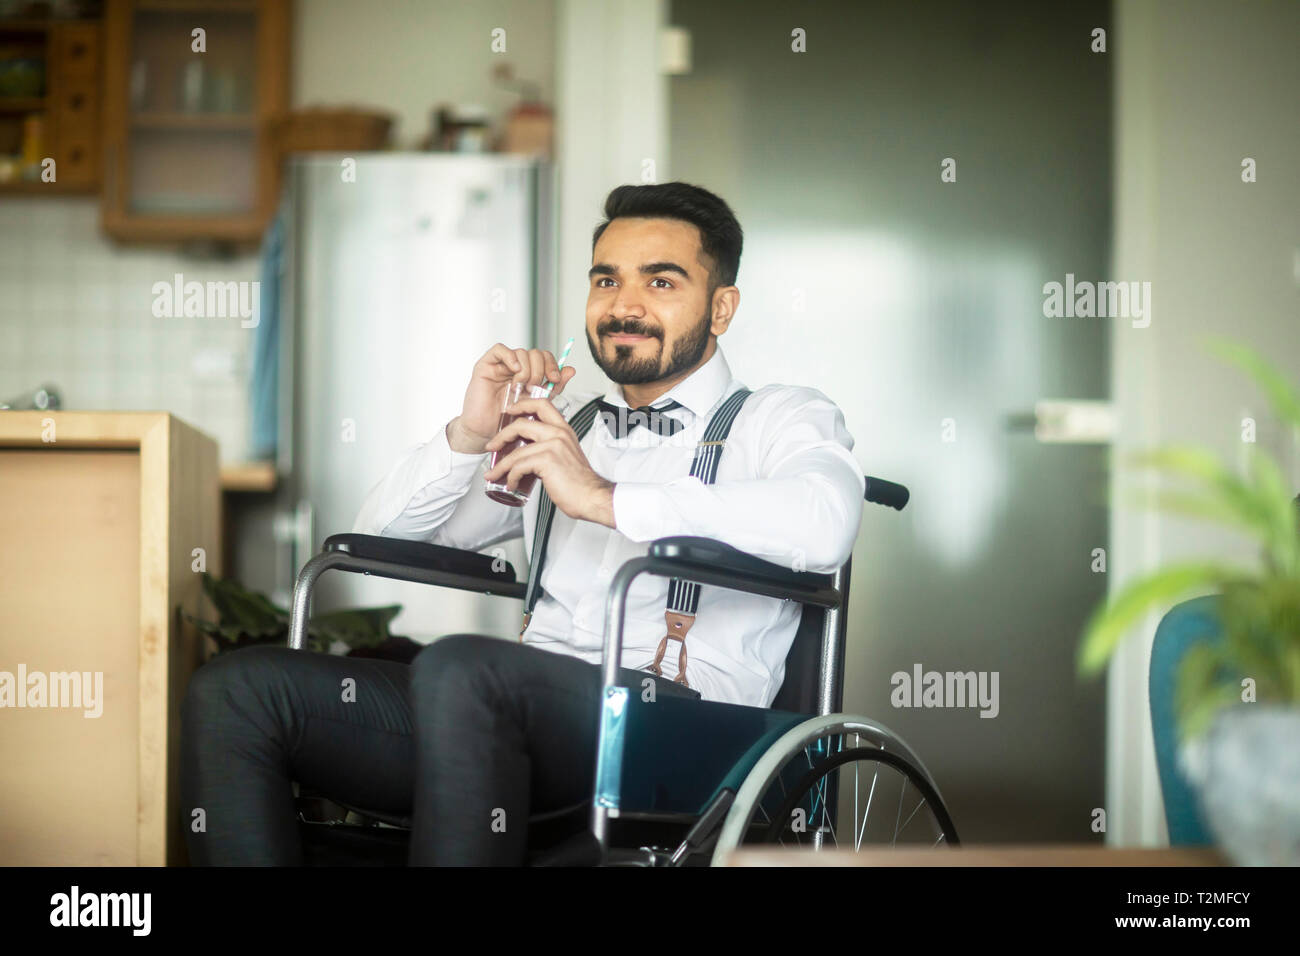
(479, 733)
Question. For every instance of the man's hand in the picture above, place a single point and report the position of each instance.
(557, 460)
(498, 367)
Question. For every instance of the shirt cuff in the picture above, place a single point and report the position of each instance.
(456, 459)
(639, 509)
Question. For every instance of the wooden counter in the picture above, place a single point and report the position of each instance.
(106, 519)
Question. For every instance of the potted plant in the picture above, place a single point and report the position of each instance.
(1237, 697)
(246, 618)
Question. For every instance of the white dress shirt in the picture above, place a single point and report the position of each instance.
(788, 490)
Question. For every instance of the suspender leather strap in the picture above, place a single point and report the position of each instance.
(684, 596)
(581, 424)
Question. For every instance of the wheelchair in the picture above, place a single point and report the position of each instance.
(680, 781)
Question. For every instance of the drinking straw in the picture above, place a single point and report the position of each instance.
(563, 355)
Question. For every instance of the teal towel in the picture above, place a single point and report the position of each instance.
(264, 377)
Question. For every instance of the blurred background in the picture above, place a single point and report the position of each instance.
(370, 195)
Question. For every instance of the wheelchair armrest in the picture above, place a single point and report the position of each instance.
(401, 560)
(421, 555)
(709, 553)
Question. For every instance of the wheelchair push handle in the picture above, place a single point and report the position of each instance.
(887, 493)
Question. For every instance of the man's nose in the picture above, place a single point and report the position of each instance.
(627, 304)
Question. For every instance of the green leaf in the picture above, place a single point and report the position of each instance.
(1291, 673)
(234, 634)
(1271, 382)
(1202, 709)
(1208, 682)
(1231, 491)
(1193, 505)
(248, 617)
(1112, 621)
(356, 628)
(1283, 545)
(250, 612)
(1199, 690)
(1261, 627)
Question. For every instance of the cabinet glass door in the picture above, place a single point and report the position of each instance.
(192, 137)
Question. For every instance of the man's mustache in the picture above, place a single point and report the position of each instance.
(618, 327)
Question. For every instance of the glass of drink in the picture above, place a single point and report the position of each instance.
(497, 490)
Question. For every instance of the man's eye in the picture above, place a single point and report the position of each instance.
(663, 280)
(603, 279)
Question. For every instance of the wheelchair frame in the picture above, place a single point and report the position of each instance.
(679, 557)
(700, 560)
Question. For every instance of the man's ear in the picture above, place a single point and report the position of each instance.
(725, 302)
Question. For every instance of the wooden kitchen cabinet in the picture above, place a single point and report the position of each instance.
(59, 119)
(188, 147)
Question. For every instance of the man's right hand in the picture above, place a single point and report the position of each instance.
(485, 396)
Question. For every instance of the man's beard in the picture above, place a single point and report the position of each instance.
(626, 370)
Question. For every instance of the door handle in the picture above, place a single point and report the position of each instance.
(1076, 422)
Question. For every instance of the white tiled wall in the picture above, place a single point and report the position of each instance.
(76, 313)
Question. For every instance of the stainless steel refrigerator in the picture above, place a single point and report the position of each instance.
(398, 273)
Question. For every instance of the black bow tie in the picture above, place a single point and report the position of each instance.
(620, 419)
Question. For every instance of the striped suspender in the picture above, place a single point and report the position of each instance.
(581, 424)
(684, 596)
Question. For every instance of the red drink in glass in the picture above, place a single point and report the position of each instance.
(497, 490)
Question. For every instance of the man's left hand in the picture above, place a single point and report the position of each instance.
(557, 460)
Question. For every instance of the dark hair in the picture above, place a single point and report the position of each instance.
(720, 235)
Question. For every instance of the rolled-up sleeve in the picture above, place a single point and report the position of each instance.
(802, 512)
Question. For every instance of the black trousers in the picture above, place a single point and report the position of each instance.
(470, 739)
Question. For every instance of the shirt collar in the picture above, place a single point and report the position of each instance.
(698, 392)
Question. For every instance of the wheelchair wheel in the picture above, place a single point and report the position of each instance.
(837, 782)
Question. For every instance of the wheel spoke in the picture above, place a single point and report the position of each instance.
(913, 813)
(822, 796)
(820, 793)
(821, 785)
(867, 812)
(857, 841)
(900, 810)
